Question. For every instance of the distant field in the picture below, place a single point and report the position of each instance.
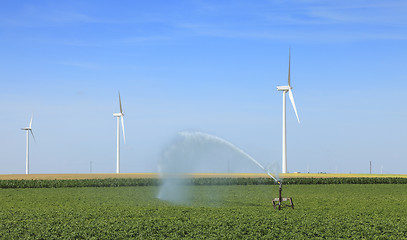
(195, 175)
(341, 175)
(76, 176)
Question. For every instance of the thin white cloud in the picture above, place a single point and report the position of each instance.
(383, 15)
(83, 65)
(308, 21)
(311, 21)
(41, 16)
(144, 39)
(297, 35)
(70, 17)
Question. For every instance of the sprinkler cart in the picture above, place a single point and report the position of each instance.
(279, 201)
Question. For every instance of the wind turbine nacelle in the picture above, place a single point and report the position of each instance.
(283, 88)
(117, 114)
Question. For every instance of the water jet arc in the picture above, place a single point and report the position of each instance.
(223, 141)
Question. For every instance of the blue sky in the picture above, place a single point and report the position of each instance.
(210, 66)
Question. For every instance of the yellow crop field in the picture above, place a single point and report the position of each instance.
(77, 176)
(296, 175)
(194, 175)
(341, 175)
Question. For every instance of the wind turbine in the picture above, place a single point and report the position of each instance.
(28, 129)
(119, 117)
(286, 89)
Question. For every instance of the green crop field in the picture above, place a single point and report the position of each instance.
(364, 211)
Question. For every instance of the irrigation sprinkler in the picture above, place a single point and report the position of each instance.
(279, 201)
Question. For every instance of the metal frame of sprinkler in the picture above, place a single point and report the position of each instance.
(278, 202)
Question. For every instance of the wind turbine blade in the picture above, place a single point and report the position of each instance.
(32, 134)
(289, 66)
(120, 101)
(124, 136)
(31, 120)
(290, 94)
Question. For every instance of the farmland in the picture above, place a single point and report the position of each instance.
(194, 175)
(230, 211)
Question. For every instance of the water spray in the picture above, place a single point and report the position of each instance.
(268, 173)
(170, 189)
(276, 201)
(218, 139)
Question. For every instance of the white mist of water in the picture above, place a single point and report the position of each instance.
(197, 152)
(209, 137)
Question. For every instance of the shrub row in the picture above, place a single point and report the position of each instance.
(123, 182)
(269, 181)
(358, 180)
(108, 182)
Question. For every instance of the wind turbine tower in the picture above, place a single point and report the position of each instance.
(28, 129)
(286, 89)
(119, 118)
